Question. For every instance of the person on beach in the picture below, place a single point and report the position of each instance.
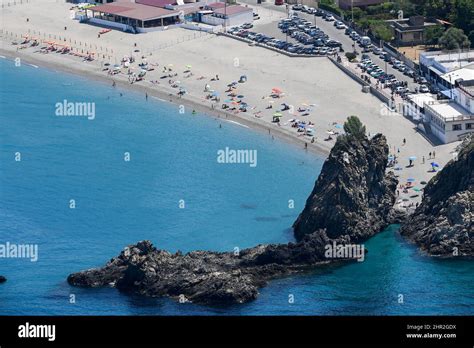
(146, 96)
(423, 160)
(434, 154)
(429, 155)
(404, 141)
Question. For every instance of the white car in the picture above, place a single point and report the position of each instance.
(330, 18)
(341, 26)
(424, 89)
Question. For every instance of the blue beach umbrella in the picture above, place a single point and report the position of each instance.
(412, 158)
(411, 180)
(338, 126)
(434, 164)
(215, 94)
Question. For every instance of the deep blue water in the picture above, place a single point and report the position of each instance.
(173, 158)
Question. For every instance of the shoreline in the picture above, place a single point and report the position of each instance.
(161, 93)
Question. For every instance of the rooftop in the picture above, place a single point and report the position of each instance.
(421, 98)
(134, 11)
(449, 60)
(156, 3)
(466, 74)
(215, 5)
(232, 10)
(449, 110)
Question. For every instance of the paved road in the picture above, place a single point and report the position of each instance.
(334, 33)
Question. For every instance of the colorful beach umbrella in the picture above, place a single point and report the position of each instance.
(434, 164)
(277, 114)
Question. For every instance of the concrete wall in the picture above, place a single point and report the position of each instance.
(235, 20)
(110, 24)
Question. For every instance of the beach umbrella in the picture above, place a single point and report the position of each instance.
(106, 64)
(423, 182)
(276, 90)
(339, 126)
(330, 132)
(434, 164)
(277, 114)
(391, 157)
(240, 96)
(412, 158)
(416, 189)
(215, 94)
(411, 180)
(170, 65)
(188, 66)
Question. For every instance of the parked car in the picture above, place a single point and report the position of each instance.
(377, 51)
(423, 89)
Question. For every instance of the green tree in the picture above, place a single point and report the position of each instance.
(471, 38)
(462, 14)
(454, 38)
(354, 127)
(433, 34)
(381, 31)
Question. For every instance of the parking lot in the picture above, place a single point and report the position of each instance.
(295, 35)
(347, 43)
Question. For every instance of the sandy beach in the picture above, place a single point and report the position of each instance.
(313, 83)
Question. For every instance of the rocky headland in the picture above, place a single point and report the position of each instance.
(352, 200)
(442, 225)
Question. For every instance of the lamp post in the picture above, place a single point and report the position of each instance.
(225, 16)
(352, 10)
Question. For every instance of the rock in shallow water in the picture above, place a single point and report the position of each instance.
(442, 225)
(2, 279)
(351, 201)
(353, 196)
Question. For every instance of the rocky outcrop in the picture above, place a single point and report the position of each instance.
(353, 196)
(2, 279)
(442, 225)
(202, 276)
(351, 201)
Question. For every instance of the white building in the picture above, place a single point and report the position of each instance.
(435, 64)
(448, 120)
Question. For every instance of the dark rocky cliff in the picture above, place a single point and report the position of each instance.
(351, 201)
(442, 225)
(354, 195)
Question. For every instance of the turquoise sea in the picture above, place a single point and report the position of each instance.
(173, 161)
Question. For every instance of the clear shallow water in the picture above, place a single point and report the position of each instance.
(173, 157)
